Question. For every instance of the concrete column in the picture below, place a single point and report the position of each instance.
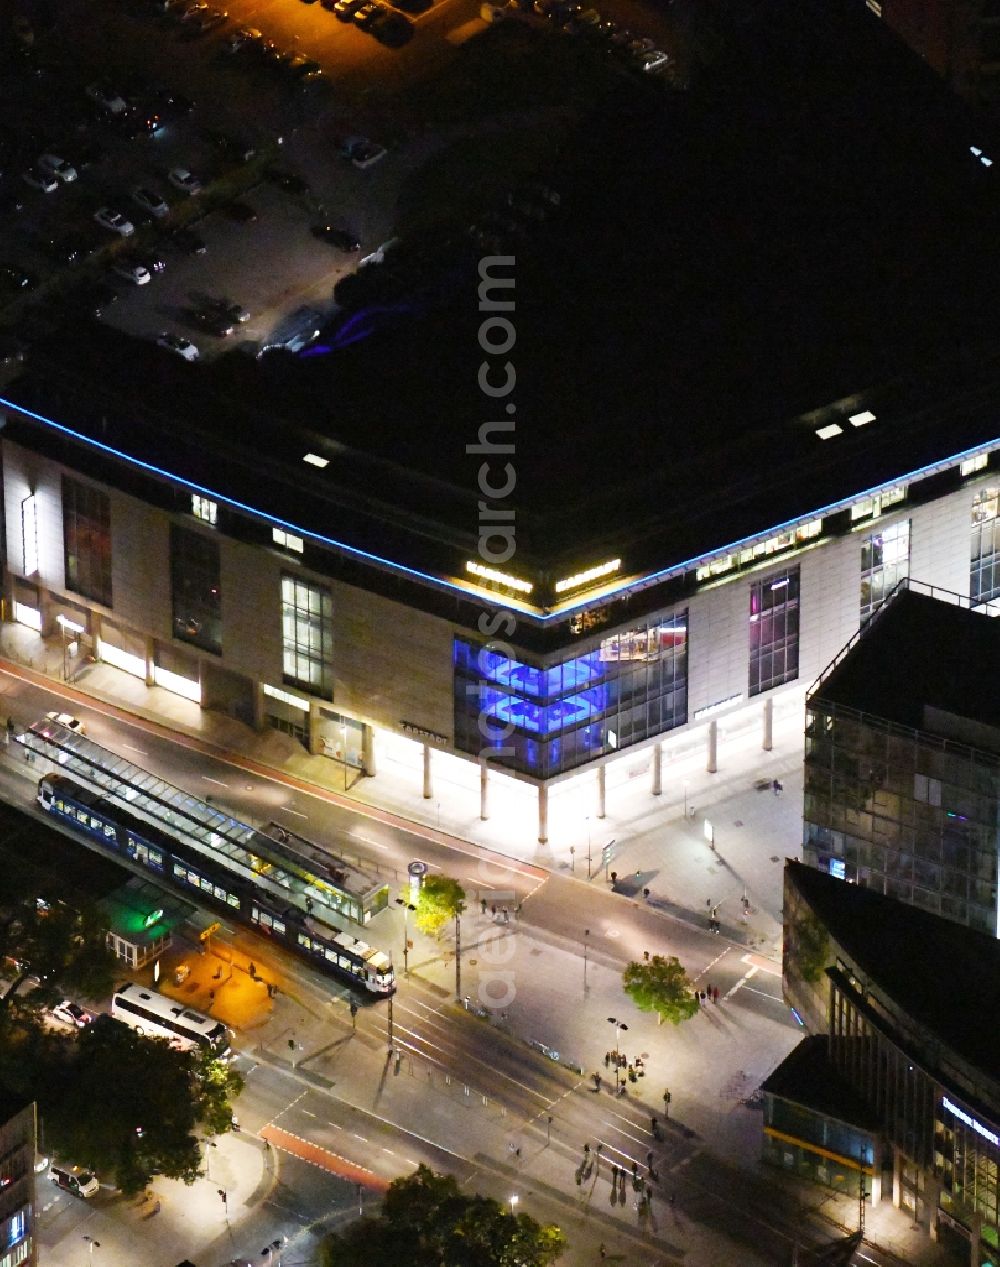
(897, 1177)
(602, 791)
(657, 787)
(543, 814)
(368, 750)
(877, 1173)
(976, 1239)
(931, 1200)
(484, 783)
(259, 713)
(428, 782)
(712, 764)
(768, 743)
(150, 659)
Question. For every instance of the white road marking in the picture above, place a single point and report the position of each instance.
(360, 1137)
(132, 748)
(307, 1113)
(218, 782)
(751, 972)
(287, 809)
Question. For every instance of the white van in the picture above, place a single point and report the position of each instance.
(80, 1183)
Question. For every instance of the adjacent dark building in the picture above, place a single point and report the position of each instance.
(902, 761)
(900, 1082)
(18, 1143)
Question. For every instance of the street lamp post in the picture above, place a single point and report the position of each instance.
(513, 1203)
(619, 1027)
(589, 869)
(586, 934)
(343, 736)
(407, 907)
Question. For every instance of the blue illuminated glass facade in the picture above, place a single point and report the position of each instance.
(544, 720)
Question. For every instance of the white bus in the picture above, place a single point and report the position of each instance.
(159, 1017)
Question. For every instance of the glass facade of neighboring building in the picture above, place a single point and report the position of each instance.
(773, 631)
(544, 720)
(903, 812)
(87, 540)
(885, 560)
(307, 636)
(984, 572)
(196, 586)
(936, 1133)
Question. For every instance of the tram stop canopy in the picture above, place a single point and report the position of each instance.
(141, 918)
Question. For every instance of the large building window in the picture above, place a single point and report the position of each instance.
(197, 588)
(307, 635)
(546, 720)
(87, 540)
(774, 631)
(984, 577)
(885, 561)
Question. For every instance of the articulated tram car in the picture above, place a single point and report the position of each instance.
(186, 868)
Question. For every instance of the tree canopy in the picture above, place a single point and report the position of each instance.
(441, 899)
(55, 943)
(438, 1225)
(661, 986)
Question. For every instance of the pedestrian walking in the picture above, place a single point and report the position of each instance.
(517, 910)
(253, 970)
(597, 1081)
(603, 1250)
(649, 1161)
(709, 991)
(697, 998)
(716, 999)
(703, 998)
(607, 1060)
(776, 787)
(482, 903)
(156, 1207)
(506, 915)
(635, 1170)
(493, 910)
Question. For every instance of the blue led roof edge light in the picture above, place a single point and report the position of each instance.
(635, 583)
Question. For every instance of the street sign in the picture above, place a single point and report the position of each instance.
(207, 932)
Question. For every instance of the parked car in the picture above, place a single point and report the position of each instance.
(232, 311)
(340, 238)
(82, 1183)
(367, 13)
(106, 97)
(212, 321)
(178, 345)
(16, 280)
(184, 180)
(288, 181)
(189, 242)
(132, 271)
(361, 152)
(38, 179)
(246, 37)
(114, 222)
(57, 167)
(346, 9)
(69, 721)
(71, 1013)
(150, 201)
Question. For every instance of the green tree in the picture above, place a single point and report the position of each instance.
(440, 900)
(810, 947)
(64, 948)
(661, 986)
(438, 1225)
(216, 1086)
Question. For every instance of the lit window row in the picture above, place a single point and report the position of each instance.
(761, 549)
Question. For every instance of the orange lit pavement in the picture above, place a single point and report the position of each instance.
(323, 1158)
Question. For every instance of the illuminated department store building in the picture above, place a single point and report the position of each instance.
(343, 601)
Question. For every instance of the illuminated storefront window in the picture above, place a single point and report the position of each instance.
(984, 575)
(773, 632)
(885, 561)
(87, 540)
(546, 720)
(307, 635)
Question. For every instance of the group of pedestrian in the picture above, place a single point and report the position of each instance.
(709, 995)
(503, 911)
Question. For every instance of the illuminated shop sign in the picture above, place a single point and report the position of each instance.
(500, 578)
(591, 574)
(962, 1116)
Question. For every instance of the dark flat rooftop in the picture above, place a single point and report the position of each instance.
(807, 225)
(945, 977)
(922, 651)
(807, 1077)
